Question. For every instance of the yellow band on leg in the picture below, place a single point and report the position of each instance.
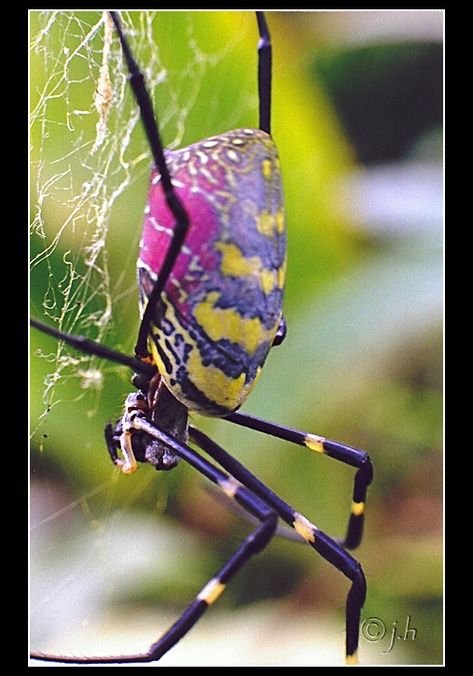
(211, 591)
(315, 443)
(229, 486)
(357, 508)
(352, 659)
(304, 527)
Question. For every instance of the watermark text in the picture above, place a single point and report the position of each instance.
(375, 630)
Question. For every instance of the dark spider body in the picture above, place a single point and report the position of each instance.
(158, 405)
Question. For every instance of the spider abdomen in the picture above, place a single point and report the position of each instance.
(222, 304)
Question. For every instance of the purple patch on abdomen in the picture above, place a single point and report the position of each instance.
(198, 255)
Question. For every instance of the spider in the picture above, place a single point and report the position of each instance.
(211, 275)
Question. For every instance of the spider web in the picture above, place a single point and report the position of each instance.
(88, 152)
(89, 172)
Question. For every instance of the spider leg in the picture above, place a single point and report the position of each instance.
(89, 346)
(333, 449)
(281, 333)
(181, 224)
(173, 201)
(113, 443)
(264, 74)
(328, 548)
(252, 544)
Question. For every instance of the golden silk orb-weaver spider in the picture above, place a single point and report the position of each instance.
(211, 278)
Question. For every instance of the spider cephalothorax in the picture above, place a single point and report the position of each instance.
(158, 405)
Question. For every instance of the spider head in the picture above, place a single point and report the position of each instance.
(159, 455)
(128, 445)
(167, 413)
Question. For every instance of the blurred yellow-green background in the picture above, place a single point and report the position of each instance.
(357, 117)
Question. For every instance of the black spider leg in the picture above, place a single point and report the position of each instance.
(88, 346)
(111, 433)
(252, 544)
(264, 74)
(328, 548)
(181, 224)
(150, 124)
(333, 449)
(280, 333)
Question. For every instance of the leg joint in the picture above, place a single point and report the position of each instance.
(357, 592)
(263, 534)
(365, 471)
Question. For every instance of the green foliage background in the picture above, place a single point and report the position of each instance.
(117, 558)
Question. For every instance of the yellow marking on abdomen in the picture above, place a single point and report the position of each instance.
(282, 274)
(268, 281)
(156, 357)
(210, 380)
(352, 659)
(213, 383)
(265, 223)
(280, 221)
(357, 508)
(220, 323)
(315, 443)
(234, 263)
(218, 387)
(266, 168)
(304, 527)
(211, 591)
